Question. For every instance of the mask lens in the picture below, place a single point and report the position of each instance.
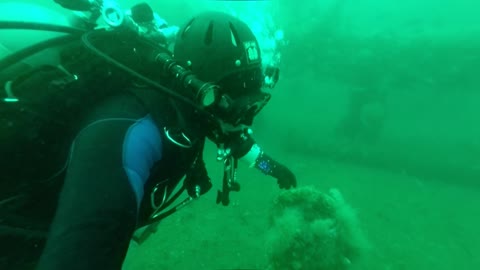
(247, 109)
(241, 97)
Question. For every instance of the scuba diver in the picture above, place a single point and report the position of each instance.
(105, 142)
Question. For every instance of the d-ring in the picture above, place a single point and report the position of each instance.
(187, 145)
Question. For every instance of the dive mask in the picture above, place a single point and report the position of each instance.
(241, 110)
(240, 97)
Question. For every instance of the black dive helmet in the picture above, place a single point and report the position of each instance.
(221, 49)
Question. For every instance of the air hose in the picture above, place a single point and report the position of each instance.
(14, 25)
(74, 34)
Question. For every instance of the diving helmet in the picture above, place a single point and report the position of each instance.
(221, 49)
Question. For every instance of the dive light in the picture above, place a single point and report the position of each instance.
(205, 93)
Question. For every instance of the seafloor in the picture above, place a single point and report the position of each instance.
(411, 223)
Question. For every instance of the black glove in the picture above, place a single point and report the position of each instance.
(285, 178)
(197, 181)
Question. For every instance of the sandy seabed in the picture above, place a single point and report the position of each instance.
(411, 223)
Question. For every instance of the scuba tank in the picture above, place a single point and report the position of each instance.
(11, 41)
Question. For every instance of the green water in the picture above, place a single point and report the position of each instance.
(379, 99)
(410, 223)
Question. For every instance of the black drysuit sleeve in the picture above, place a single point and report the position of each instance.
(97, 209)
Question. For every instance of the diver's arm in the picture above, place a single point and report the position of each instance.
(97, 211)
(257, 158)
(247, 150)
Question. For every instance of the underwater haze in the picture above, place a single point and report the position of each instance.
(376, 112)
(379, 99)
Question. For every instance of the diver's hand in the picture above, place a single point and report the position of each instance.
(285, 178)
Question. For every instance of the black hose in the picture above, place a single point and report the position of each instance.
(173, 198)
(85, 37)
(22, 54)
(15, 25)
(86, 40)
(29, 51)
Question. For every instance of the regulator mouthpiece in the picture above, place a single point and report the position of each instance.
(112, 15)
